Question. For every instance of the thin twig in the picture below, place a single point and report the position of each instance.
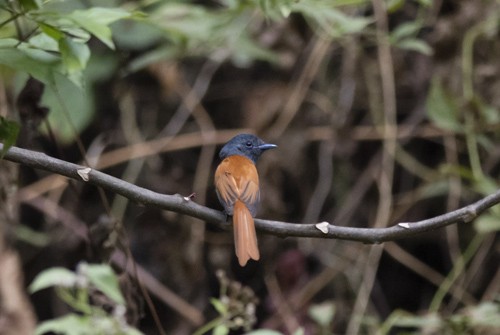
(135, 151)
(174, 301)
(300, 88)
(184, 205)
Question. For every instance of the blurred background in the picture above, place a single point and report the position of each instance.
(383, 112)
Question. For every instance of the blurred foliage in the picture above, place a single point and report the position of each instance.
(51, 42)
(481, 319)
(404, 36)
(45, 38)
(323, 315)
(236, 306)
(76, 289)
(95, 55)
(8, 134)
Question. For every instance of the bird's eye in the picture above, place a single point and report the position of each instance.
(248, 144)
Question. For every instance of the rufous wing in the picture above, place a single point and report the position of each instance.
(236, 178)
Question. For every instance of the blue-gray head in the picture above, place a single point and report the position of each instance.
(247, 145)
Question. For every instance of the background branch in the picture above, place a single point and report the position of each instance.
(184, 205)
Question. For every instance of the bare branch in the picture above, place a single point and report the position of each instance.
(184, 205)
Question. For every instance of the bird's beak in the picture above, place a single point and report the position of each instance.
(267, 146)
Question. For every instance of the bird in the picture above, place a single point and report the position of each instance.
(237, 187)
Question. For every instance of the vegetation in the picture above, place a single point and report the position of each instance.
(384, 112)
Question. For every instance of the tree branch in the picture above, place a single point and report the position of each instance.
(184, 205)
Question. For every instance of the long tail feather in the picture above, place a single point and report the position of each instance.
(245, 238)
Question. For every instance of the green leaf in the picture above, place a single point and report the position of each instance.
(488, 113)
(56, 276)
(44, 42)
(333, 21)
(345, 24)
(485, 185)
(165, 52)
(425, 3)
(104, 279)
(402, 318)
(442, 108)
(66, 100)
(487, 223)
(322, 313)
(96, 20)
(409, 320)
(456, 170)
(245, 51)
(28, 235)
(77, 34)
(8, 134)
(189, 22)
(30, 4)
(394, 5)
(195, 30)
(8, 43)
(75, 55)
(486, 314)
(71, 324)
(51, 31)
(219, 306)
(405, 30)
(285, 10)
(22, 57)
(137, 35)
(415, 44)
(404, 37)
(221, 330)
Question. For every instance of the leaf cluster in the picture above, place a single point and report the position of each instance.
(45, 38)
(76, 289)
(479, 319)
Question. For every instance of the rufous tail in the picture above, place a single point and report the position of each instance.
(245, 238)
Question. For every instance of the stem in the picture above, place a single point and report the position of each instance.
(208, 326)
(455, 272)
(184, 205)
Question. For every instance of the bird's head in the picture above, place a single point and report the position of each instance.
(247, 145)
